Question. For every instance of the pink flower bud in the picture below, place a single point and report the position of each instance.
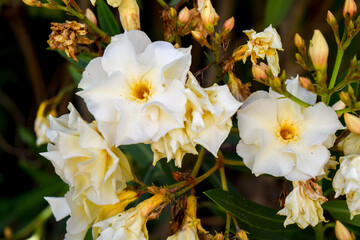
(349, 8)
(319, 50)
(259, 72)
(331, 19)
(299, 41)
(352, 122)
(341, 232)
(184, 15)
(91, 16)
(229, 25)
(129, 15)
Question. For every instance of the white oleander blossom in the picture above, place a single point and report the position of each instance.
(207, 122)
(347, 182)
(84, 160)
(282, 138)
(83, 212)
(136, 90)
(303, 206)
(131, 224)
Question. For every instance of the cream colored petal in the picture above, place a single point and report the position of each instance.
(59, 207)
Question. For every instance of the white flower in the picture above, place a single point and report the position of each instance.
(350, 144)
(83, 212)
(131, 224)
(347, 182)
(263, 44)
(83, 159)
(207, 122)
(282, 138)
(303, 208)
(136, 90)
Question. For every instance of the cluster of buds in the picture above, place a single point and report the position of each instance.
(66, 36)
(315, 59)
(199, 21)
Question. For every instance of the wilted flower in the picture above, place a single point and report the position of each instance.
(350, 144)
(83, 212)
(261, 45)
(282, 138)
(347, 182)
(190, 225)
(207, 122)
(131, 224)
(303, 205)
(42, 121)
(83, 159)
(136, 90)
(66, 36)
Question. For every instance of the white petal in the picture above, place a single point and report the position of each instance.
(320, 122)
(59, 207)
(260, 114)
(294, 87)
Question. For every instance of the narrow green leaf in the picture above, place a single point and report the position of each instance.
(339, 210)
(141, 154)
(275, 11)
(106, 19)
(255, 215)
(75, 73)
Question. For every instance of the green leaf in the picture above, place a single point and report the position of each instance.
(275, 11)
(140, 154)
(75, 73)
(83, 58)
(339, 210)
(255, 215)
(106, 18)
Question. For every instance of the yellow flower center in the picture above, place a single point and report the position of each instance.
(140, 91)
(287, 131)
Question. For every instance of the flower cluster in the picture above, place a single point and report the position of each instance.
(138, 92)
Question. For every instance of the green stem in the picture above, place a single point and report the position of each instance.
(34, 224)
(198, 163)
(225, 188)
(162, 3)
(339, 56)
(233, 163)
(319, 231)
(295, 99)
(215, 50)
(197, 180)
(346, 110)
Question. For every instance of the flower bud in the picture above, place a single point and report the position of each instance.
(352, 122)
(259, 72)
(299, 41)
(229, 25)
(349, 9)
(198, 37)
(172, 13)
(306, 83)
(339, 105)
(341, 232)
(91, 16)
(331, 19)
(129, 15)
(184, 15)
(345, 97)
(31, 3)
(319, 50)
(208, 16)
